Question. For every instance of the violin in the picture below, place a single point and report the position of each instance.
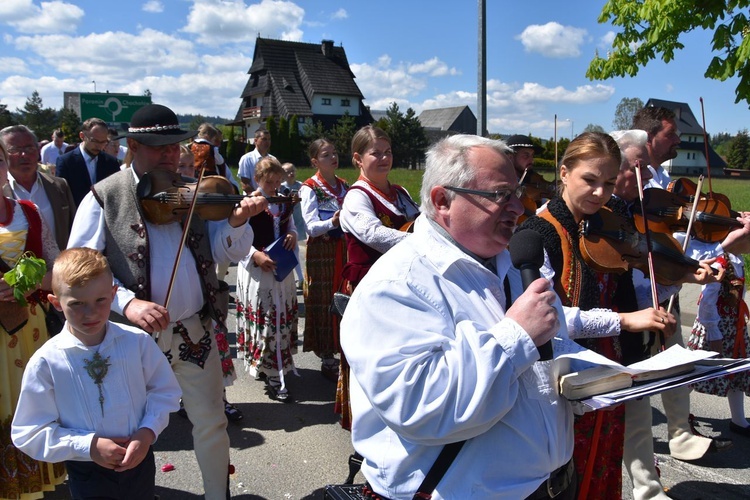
(610, 243)
(686, 189)
(537, 187)
(166, 196)
(667, 213)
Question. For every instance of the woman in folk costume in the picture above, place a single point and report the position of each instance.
(721, 326)
(598, 306)
(372, 215)
(23, 331)
(321, 197)
(267, 308)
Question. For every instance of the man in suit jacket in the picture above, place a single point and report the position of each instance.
(51, 194)
(88, 163)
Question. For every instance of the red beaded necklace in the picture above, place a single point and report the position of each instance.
(337, 192)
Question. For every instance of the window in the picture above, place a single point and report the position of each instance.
(326, 101)
(345, 102)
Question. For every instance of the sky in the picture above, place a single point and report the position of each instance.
(193, 55)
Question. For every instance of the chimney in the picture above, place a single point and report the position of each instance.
(327, 47)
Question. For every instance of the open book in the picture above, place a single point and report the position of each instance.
(585, 376)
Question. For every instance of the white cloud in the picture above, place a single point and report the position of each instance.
(340, 14)
(113, 55)
(584, 94)
(14, 10)
(154, 6)
(50, 17)
(381, 81)
(553, 40)
(233, 22)
(669, 88)
(607, 39)
(13, 65)
(433, 67)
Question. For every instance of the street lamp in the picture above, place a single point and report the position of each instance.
(571, 127)
(94, 82)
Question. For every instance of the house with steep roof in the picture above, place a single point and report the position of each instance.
(441, 122)
(312, 81)
(691, 154)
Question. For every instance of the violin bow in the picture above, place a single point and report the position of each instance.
(705, 147)
(185, 229)
(686, 242)
(651, 274)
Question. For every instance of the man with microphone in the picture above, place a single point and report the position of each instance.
(440, 354)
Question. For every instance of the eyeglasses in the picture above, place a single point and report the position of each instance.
(27, 150)
(499, 196)
(94, 141)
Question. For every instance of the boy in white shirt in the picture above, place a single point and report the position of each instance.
(98, 394)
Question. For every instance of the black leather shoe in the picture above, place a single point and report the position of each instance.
(719, 444)
(737, 429)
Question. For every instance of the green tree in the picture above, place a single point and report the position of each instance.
(592, 127)
(70, 124)
(196, 122)
(38, 118)
(232, 151)
(273, 129)
(738, 155)
(341, 135)
(295, 144)
(6, 117)
(312, 130)
(625, 111)
(281, 140)
(414, 140)
(649, 29)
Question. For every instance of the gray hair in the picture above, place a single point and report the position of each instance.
(17, 129)
(626, 139)
(448, 165)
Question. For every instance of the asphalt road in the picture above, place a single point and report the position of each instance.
(292, 450)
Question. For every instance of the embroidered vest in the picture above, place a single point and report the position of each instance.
(360, 256)
(262, 225)
(127, 244)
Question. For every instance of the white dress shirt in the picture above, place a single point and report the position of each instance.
(434, 360)
(38, 196)
(660, 179)
(50, 152)
(247, 166)
(228, 244)
(59, 411)
(358, 218)
(90, 163)
(311, 212)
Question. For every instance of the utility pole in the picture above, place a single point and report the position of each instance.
(482, 70)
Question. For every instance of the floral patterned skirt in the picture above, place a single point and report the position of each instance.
(267, 314)
(21, 477)
(721, 386)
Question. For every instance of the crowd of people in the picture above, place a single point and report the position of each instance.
(448, 394)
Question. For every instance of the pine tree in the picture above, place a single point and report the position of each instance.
(739, 151)
(273, 129)
(6, 117)
(341, 135)
(70, 124)
(281, 140)
(295, 146)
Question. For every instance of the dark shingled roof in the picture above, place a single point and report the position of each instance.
(441, 118)
(291, 73)
(686, 122)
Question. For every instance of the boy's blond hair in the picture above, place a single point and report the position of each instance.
(267, 166)
(75, 267)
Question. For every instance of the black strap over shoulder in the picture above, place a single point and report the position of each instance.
(438, 470)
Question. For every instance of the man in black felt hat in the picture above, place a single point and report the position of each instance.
(523, 152)
(142, 256)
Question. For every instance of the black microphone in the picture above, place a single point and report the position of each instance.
(527, 255)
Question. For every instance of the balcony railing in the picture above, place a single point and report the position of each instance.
(253, 112)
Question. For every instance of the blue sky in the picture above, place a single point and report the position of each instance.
(193, 55)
